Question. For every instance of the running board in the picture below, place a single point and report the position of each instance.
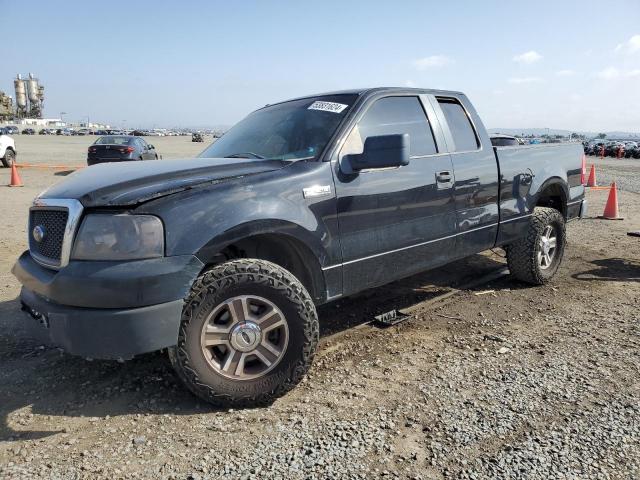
(388, 319)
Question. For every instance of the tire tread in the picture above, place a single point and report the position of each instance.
(521, 255)
(225, 275)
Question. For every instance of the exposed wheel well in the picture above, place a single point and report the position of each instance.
(554, 197)
(287, 252)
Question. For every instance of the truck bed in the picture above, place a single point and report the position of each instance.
(527, 170)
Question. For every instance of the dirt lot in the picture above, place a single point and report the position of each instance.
(497, 380)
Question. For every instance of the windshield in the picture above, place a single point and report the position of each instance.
(286, 131)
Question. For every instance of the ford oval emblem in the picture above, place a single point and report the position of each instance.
(38, 233)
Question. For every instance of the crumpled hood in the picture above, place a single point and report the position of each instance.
(130, 183)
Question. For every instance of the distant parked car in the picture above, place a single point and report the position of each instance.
(499, 140)
(597, 147)
(197, 137)
(120, 148)
(139, 133)
(613, 149)
(28, 131)
(629, 149)
(83, 131)
(11, 130)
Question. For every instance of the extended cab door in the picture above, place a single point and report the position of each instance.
(476, 168)
(395, 221)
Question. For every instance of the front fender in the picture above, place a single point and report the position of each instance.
(271, 226)
(204, 220)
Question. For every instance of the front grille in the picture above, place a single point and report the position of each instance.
(54, 223)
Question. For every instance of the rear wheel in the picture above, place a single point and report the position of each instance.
(9, 158)
(535, 258)
(248, 334)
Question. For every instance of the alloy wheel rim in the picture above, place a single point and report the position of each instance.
(244, 337)
(547, 246)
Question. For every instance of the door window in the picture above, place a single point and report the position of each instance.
(464, 135)
(389, 116)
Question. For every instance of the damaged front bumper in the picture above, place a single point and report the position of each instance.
(106, 310)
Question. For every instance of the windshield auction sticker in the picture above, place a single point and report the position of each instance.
(327, 106)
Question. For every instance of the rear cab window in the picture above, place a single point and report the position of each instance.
(390, 116)
(462, 130)
(504, 142)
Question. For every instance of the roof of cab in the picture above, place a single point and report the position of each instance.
(363, 91)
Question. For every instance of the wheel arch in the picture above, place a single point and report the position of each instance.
(553, 193)
(289, 246)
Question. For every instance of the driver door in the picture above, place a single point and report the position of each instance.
(395, 221)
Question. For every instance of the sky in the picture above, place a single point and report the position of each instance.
(571, 65)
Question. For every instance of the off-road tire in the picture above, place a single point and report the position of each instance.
(9, 158)
(245, 277)
(522, 255)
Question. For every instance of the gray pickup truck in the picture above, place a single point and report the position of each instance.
(222, 259)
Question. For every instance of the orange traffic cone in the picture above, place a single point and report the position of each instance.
(592, 177)
(611, 208)
(15, 178)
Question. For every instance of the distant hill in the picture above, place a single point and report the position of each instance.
(555, 131)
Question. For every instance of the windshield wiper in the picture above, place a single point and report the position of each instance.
(245, 155)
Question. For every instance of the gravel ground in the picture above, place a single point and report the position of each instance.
(624, 171)
(500, 380)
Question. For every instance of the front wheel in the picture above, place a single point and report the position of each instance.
(248, 334)
(535, 258)
(9, 158)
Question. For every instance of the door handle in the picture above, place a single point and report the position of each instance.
(444, 177)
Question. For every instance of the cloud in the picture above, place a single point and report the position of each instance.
(609, 73)
(528, 57)
(630, 46)
(613, 73)
(565, 73)
(434, 61)
(525, 80)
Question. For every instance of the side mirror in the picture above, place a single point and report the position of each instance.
(383, 151)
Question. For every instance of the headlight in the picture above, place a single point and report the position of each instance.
(119, 237)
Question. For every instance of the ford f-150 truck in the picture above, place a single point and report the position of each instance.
(222, 259)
